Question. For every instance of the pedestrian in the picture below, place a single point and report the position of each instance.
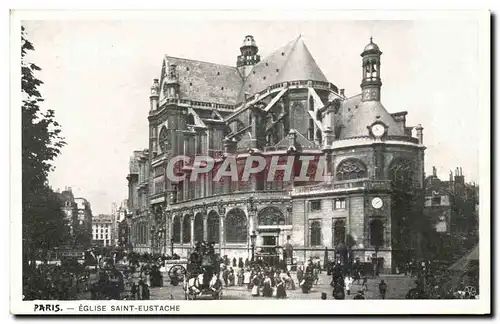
(348, 282)
(364, 285)
(382, 289)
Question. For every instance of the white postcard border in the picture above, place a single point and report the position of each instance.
(480, 306)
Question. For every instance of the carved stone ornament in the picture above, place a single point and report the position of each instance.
(221, 208)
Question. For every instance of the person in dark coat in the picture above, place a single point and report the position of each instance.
(382, 289)
(267, 290)
(280, 288)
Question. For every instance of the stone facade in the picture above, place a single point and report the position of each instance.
(369, 198)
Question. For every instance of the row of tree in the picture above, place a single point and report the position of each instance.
(44, 224)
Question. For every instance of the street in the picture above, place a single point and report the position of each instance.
(397, 287)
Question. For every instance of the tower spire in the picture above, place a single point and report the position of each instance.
(248, 57)
(371, 82)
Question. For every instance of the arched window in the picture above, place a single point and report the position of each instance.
(236, 227)
(310, 130)
(339, 232)
(401, 171)
(319, 136)
(213, 229)
(190, 119)
(315, 233)
(271, 216)
(198, 227)
(186, 229)
(351, 169)
(176, 229)
(311, 104)
(319, 116)
(376, 233)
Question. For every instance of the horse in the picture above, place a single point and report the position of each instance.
(193, 286)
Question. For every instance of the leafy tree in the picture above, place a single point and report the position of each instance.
(44, 225)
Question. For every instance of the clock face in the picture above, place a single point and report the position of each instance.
(378, 130)
(377, 203)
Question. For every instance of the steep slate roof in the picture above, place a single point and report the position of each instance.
(291, 62)
(364, 115)
(208, 82)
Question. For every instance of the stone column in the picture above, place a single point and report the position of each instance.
(182, 229)
(205, 227)
(192, 229)
(221, 233)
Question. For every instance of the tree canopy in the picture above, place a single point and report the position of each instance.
(44, 225)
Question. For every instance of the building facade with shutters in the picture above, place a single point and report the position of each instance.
(370, 198)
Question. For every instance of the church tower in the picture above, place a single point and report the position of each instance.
(371, 72)
(248, 57)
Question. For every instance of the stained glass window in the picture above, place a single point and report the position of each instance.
(271, 216)
(351, 169)
(213, 227)
(236, 226)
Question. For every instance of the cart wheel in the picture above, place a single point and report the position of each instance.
(177, 271)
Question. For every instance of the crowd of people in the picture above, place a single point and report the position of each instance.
(53, 282)
(140, 272)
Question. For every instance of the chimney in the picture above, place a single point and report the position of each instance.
(342, 93)
(434, 171)
(461, 174)
(456, 172)
(420, 134)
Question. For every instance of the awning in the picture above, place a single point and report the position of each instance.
(468, 260)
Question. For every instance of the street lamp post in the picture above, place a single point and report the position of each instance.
(253, 238)
(172, 247)
(278, 246)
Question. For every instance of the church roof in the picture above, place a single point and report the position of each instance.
(291, 62)
(211, 82)
(366, 113)
(207, 82)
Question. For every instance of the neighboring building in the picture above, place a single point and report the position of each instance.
(119, 214)
(138, 204)
(79, 215)
(102, 230)
(69, 207)
(371, 199)
(451, 206)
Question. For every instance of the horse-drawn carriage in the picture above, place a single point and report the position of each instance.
(201, 278)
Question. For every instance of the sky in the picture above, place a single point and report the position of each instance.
(97, 76)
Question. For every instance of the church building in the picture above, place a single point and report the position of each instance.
(369, 203)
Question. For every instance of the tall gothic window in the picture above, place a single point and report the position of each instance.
(186, 229)
(271, 216)
(311, 103)
(198, 227)
(315, 233)
(339, 232)
(351, 169)
(376, 233)
(213, 229)
(176, 229)
(236, 227)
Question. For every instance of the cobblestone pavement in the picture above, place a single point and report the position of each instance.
(397, 287)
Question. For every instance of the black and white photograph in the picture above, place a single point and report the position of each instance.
(169, 162)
